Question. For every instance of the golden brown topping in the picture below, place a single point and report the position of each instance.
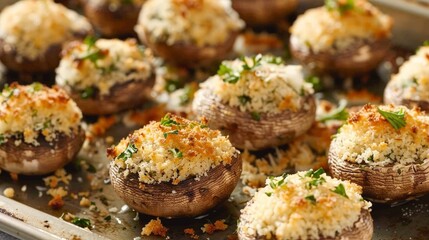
(154, 227)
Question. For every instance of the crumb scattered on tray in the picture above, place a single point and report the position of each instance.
(9, 192)
(191, 233)
(154, 227)
(103, 124)
(56, 202)
(14, 176)
(84, 202)
(210, 228)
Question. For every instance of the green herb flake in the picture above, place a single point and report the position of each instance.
(340, 190)
(256, 116)
(315, 174)
(342, 6)
(311, 199)
(171, 132)
(227, 74)
(176, 152)
(129, 151)
(396, 119)
(315, 81)
(244, 99)
(2, 139)
(108, 218)
(81, 222)
(90, 41)
(167, 121)
(340, 113)
(171, 85)
(268, 194)
(254, 62)
(87, 93)
(426, 43)
(36, 86)
(274, 60)
(188, 94)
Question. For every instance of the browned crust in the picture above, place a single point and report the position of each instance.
(187, 199)
(45, 63)
(246, 133)
(263, 12)
(341, 63)
(121, 97)
(28, 159)
(188, 55)
(393, 95)
(109, 23)
(362, 229)
(383, 184)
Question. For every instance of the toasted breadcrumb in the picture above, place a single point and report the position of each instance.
(103, 124)
(154, 227)
(210, 228)
(9, 192)
(56, 202)
(14, 176)
(84, 202)
(191, 233)
(57, 191)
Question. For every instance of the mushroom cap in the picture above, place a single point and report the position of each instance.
(28, 159)
(264, 12)
(187, 199)
(393, 95)
(245, 132)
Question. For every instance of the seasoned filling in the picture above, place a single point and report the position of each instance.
(27, 112)
(260, 85)
(103, 63)
(199, 22)
(385, 135)
(336, 27)
(32, 26)
(305, 205)
(173, 149)
(412, 80)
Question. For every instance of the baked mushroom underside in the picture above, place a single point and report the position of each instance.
(246, 132)
(394, 95)
(187, 199)
(264, 12)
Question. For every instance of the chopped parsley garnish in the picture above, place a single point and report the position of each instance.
(311, 199)
(188, 94)
(227, 74)
(315, 81)
(90, 41)
(342, 6)
(254, 62)
(81, 222)
(396, 119)
(339, 113)
(315, 174)
(36, 86)
(426, 43)
(108, 218)
(274, 60)
(2, 139)
(167, 121)
(316, 178)
(172, 85)
(93, 54)
(171, 132)
(87, 93)
(7, 91)
(340, 190)
(129, 151)
(176, 152)
(244, 99)
(276, 182)
(256, 116)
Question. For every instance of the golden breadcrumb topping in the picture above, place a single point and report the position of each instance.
(304, 205)
(323, 29)
(383, 136)
(27, 112)
(199, 22)
(173, 149)
(103, 63)
(154, 227)
(32, 26)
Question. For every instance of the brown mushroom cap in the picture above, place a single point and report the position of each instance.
(263, 12)
(349, 62)
(47, 157)
(119, 22)
(187, 54)
(187, 199)
(393, 95)
(245, 132)
(382, 184)
(362, 229)
(121, 97)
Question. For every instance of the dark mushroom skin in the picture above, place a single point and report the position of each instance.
(247, 133)
(189, 198)
(189, 55)
(356, 60)
(263, 12)
(383, 184)
(362, 229)
(393, 95)
(121, 97)
(28, 159)
(117, 23)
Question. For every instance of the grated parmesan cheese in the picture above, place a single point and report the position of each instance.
(174, 153)
(268, 87)
(32, 26)
(120, 62)
(368, 138)
(412, 80)
(292, 207)
(35, 110)
(199, 22)
(322, 30)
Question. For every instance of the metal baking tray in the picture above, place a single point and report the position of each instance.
(27, 215)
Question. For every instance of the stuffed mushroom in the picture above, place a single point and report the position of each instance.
(174, 168)
(106, 76)
(306, 205)
(32, 33)
(187, 32)
(40, 129)
(346, 38)
(384, 149)
(258, 102)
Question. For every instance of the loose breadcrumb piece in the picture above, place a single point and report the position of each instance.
(14, 176)
(84, 202)
(103, 124)
(57, 191)
(191, 233)
(210, 228)
(154, 227)
(56, 202)
(9, 192)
